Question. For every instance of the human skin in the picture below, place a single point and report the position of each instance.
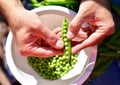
(97, 14)
(29, 32)
(100, 25)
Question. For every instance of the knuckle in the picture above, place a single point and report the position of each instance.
(74, 28)
(37, 24)
(111, 28)
(73, 25)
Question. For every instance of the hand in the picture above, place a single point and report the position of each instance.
(97, 14)
(32, 37)
(29, 31)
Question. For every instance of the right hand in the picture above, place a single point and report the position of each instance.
(101, 24)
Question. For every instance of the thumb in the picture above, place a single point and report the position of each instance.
(75, 25)
(51, 38)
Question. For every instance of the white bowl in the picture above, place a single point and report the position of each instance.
(52, 16)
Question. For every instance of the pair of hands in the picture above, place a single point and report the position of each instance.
(35, 39)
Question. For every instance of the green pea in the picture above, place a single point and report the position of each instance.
(56, 66)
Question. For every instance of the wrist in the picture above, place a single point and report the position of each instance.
(10, 8)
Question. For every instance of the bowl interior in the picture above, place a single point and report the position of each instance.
(52, 17)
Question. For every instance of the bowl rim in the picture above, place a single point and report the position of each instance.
(54, 8)
(12, 65)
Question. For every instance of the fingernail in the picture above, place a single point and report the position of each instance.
(85, 25)
(60, 44)
(70, 35)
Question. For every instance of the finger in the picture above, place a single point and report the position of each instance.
(93, 39)
(49, 36)
(58, 32)
(82, 34)
(75, 25)
(56, 43)
(42, 52)
(98, 33)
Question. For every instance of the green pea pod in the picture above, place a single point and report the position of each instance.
(66, 40)
(114, 47)
(34, 1)
(60, 2)
(111, 54)
(116, 43)
(71, 4)
(103, 49)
